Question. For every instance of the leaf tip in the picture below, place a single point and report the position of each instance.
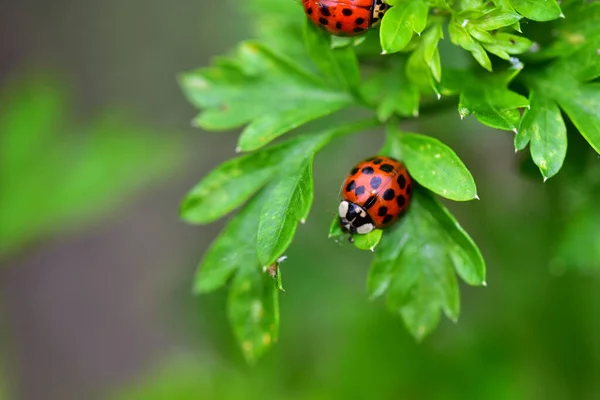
(383, 52)
(303, 221)
(464, 23)
(484, 283)
(562, 16)
(516, 131)
(545, 179)
(476, 197)
(238, 149)
(439, 96)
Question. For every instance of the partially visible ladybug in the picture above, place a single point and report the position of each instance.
(375, 194)
(345, 17)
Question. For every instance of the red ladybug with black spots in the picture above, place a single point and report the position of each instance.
(375, 194)
(345, 17)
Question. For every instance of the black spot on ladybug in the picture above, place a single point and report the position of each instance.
(401, 200)
(338, 25)
(389, 194)
(350, 186)
(377, 161)
(409, 190)
(401, 181)
(370, 202)
(347, 12)
(375, 182)
(359, 190)
(309, 11)
(359, 21)
(368, 170)
(387, 168)
(325, 11)
(358, 30)
(387, 219)
(354, 170)
(382, 211)
(379, 1)
(374, 20)
(380, 15)
(323, 21)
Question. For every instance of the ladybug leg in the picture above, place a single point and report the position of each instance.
(350, 238)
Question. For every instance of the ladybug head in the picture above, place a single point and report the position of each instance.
(354, 218)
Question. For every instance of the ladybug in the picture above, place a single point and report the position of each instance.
(345, 17)
(374, 195)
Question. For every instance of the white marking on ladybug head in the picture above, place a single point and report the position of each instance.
(366, 228)
(343, 208)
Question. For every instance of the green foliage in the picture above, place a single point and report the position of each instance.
(434, 165)
(296, 73)
(416, 265)
(270, 112)
(400, 22)
(289, 203)
(487, 97)
(543, 125)
(56, 174)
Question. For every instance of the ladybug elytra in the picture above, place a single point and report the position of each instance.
(345, 17)
(376, 192)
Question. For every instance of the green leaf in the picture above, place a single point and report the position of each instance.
(544, 127)
(537, 10)
(496, 19)
(335, 230)
(461, 37)
(289, 203)
(431, 53)
(253, 310)
(504, 44)
(368, 241)
(465, 254)
(582, 105)
(233, 249)
(578, 29)
(227, 187)
(232, 183)
(400, 22)
(564, 82)
(423, 68)
(393, 93)
(487, 97)
(435, 166)
(415, 263)
(339, 64)
(222, 92)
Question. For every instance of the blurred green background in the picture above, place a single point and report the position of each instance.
(95, 284)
